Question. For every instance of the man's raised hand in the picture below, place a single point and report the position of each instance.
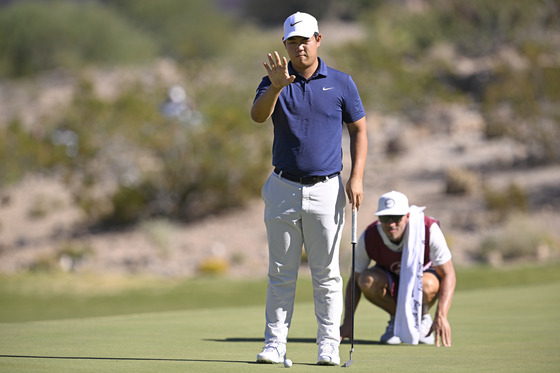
(277, 70)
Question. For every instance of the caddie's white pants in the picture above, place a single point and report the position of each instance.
(303, 215)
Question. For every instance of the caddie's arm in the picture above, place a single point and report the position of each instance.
(346, 327)
(358, 153)
(441, 326)
(277, 70)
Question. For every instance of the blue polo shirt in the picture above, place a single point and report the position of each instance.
(308, 120)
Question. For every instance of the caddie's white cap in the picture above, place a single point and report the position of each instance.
(300, 24)
(392, 203)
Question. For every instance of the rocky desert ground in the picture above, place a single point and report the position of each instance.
(39, 223)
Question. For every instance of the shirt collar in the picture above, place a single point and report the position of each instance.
(321, 71)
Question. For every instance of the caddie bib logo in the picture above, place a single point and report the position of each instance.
(396, 268)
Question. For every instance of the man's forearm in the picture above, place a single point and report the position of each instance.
(446, 291)
(264, 106)
(358, 148)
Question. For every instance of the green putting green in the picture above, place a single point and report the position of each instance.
(508, 328)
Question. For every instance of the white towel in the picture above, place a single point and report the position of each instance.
(409, 299)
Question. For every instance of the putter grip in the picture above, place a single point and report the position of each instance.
(354, 226)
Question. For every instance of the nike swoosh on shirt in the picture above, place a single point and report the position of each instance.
(327, 89)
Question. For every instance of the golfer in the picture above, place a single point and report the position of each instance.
(412, 270)
(304, 196)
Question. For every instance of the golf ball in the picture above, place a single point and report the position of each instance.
(287, 363)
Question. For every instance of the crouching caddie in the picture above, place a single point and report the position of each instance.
(412, 270)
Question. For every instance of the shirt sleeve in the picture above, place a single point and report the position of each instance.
(263, 86)
(362, 258)
(439, 251)
(353, 107)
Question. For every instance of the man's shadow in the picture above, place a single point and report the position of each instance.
(122, 359)
(227, 340)
(293, 340)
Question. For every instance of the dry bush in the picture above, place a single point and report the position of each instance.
(461, 181)
(213, 266)
(519, 239)
(503, 202)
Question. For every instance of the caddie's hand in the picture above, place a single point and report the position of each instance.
(355, 192)
(345, 331)
(442, 331)
(277, 70)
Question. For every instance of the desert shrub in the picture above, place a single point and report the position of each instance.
(460, 181)
(45, 263)
(71, 254)
(480, 27)
(184, 30)
(128, 205)
(66, 257)
(42, 205)
(503, 202)
(518, 102)
(523, 105)
(388, 65)
(44, 35)
(133, 163)
(22, 151)
(238, 258)
(394, 69)
(519, 239)
(213, 266)
(75, 250)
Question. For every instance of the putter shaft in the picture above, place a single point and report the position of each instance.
(352, 277)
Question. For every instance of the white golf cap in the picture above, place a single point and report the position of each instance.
(300, 24)
(392, 203)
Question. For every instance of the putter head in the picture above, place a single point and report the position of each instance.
(349, 362)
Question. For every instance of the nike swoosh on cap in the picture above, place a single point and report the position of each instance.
(292, 24)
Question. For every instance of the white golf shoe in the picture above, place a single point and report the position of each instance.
(425, 326)
(328, 353)
(272, 353)
(389, 336)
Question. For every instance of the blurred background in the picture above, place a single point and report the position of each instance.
(126, 144)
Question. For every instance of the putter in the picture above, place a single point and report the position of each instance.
(354, 241)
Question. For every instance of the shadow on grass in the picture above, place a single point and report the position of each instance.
(292, 340)
(122, 359)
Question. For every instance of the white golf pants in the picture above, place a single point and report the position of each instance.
(303, 215)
